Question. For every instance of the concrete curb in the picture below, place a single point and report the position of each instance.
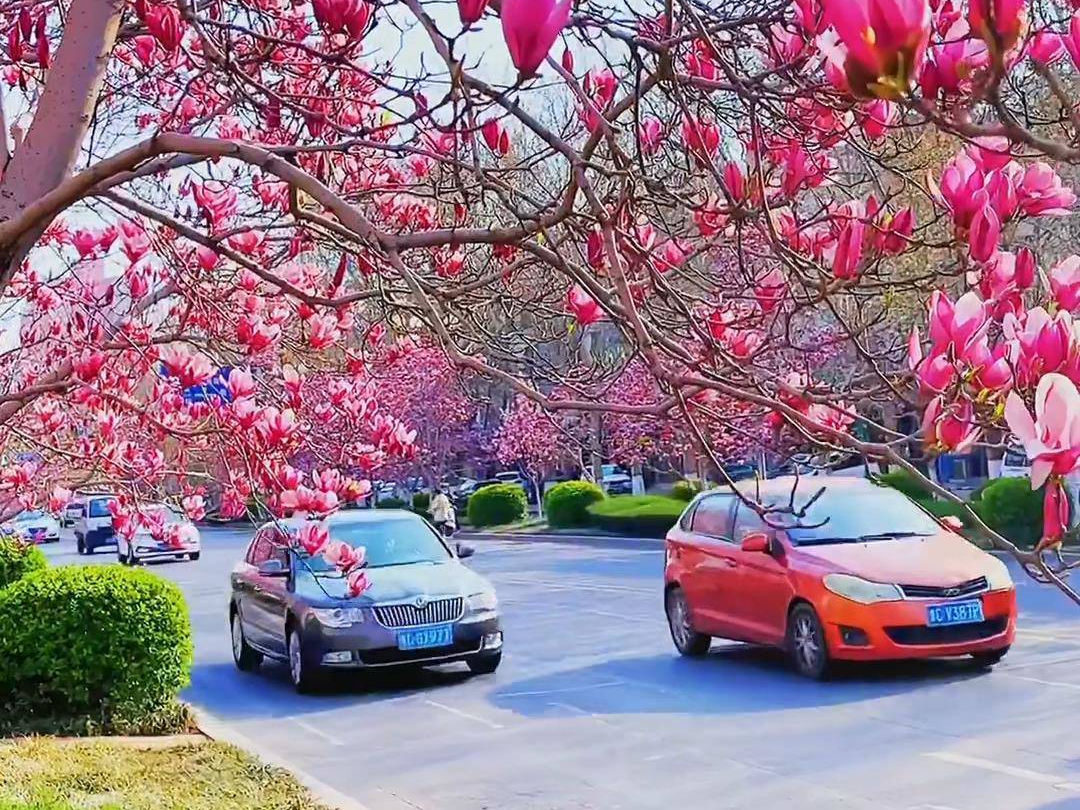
(217, 729)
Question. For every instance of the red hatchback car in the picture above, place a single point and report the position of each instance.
(864, 574)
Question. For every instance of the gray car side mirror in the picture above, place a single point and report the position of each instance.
(464, 551)
(273, 568)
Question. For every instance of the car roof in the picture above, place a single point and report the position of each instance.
(803, 486)
(350, 517)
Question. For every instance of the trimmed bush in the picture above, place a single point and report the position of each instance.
(105, 643)
(17, 559)
(1011, 508)
(637, 515)
(685, 490)
(497, 504)
(391, 503)
(903, 481)
(421, 501)
(566, 504)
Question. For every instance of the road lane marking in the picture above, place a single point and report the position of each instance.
(318, 732)
(1062, 684)
(575, 586)
(562, 690)
(466, 715)
(1009, 770)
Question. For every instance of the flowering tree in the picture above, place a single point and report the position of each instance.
(529, 439)
(546, 191)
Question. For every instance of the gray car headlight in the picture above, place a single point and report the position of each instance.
(861, 590)
(481, 602)
(998, 577)
(338, 617)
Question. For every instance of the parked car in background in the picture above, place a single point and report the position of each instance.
(174, 538)
(466, 491)
(615, 481)
(863, 575)
(1015, 464)
(72, 511)
(93, 524)
(515, 477)
(423, 605)
(34, 526)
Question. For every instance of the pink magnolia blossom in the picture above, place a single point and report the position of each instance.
(341, 16)
(1042, 194)
(357, 581)
(651, 135)
(583, 306)
(849, 250)
(997, 22)
(702, 139)
(734, 176)
(950, 427)
(59, 498)
(1052, 438)
(194, 507)
(164, 22)
(88, 365)
(190, 367)
(471, 11)
(770, 290)
(1046, 48)
(1039, 343)
(885, 40)
(880, 116)
(1055, 514)
(496, 137)
(1065, 282)
(276, 426)
(530, 28)
(241, 383)
(958, 324)
(991, 368)
(85, 242)
(985, 233)
(342, 555)
(936, 373)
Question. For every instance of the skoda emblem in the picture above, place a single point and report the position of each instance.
(952, 591)
(420, 602)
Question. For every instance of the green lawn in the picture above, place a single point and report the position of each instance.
(42, 773)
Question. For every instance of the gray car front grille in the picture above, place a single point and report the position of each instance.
(969, 588)
(408, 614)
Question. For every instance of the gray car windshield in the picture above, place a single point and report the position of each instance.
(843, 516)
(395, 541)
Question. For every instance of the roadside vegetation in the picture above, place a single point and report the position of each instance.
(91, 650)
(46, 774)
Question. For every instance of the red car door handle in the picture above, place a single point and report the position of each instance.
(730, 563)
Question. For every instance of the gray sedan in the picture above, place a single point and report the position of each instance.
(423, 605)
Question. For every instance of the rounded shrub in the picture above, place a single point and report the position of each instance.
(391, 503)
(685, 490)
(637, 515)
(905, 482)
(108, 643)
(496, 504)
(1011, 508)
(17, 559)
(421, 501)
(566, 505)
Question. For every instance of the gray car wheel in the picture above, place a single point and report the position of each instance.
(245, 657)
(807, 646)
(687, 640)
(303, 674)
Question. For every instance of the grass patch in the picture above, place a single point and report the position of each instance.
(45, 774)
(175, 718)
(636, 515)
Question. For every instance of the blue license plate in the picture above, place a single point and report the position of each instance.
(439, 635)
(967, 612)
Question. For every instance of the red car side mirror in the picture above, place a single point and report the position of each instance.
(757, 542)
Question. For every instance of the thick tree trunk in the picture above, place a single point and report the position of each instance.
(48, 153)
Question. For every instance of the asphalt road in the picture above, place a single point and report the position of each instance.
(593, 710)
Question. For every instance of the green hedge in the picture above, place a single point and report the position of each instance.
(1011, 508)
(391, 503)
(106, 643)
(903, 481)
(421, 501)
(685, 490)
(497, 504)
(637, 515)
(566, 504)
(17, 559)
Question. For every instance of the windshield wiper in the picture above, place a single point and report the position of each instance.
(866, 538)
(405, 562)
(826, 541)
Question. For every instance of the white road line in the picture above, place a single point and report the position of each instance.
(579, 710)
(1062, 684)
(1009, 770)
(318, 732)
(466, 715)
(565, 689)
(612, 615)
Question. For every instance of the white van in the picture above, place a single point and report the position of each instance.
(1015, 464)
(94, 524)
